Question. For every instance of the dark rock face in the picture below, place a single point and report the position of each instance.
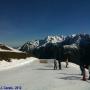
(50, 51)
(85, 52)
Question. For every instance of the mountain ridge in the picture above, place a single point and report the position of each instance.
(54, 39)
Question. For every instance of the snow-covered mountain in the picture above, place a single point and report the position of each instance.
(54, 39)
(30, 45)
(76, 38)
(65, 40)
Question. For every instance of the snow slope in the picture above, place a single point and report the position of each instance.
(4, 65)
(6, 48)
(40, 76)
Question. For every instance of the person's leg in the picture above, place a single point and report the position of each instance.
(59, 65)
(84, 75)
(55, 65)
(67, 63)
(82, 69)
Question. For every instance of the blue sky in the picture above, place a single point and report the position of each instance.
(25, 20)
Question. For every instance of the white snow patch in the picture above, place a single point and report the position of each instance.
(54, 39)
(73, 35)
(11, 49)
(4, 65)
(71, 46)
(14, 50)
(17, 51)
